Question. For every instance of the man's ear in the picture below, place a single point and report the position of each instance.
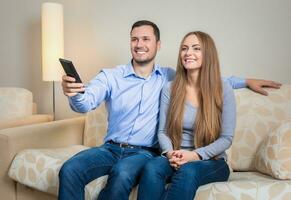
(159, 45)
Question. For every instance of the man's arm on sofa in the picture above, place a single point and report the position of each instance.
(258, 85)
(45, 135)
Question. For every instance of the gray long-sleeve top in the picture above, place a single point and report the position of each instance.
(218, 147)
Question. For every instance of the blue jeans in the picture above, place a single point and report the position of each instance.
(184, 182)
(123, 165)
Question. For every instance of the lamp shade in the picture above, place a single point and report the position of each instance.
(52, 29)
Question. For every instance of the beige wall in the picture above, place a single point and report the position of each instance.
(252, 36)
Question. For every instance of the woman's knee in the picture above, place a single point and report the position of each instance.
(189, 170)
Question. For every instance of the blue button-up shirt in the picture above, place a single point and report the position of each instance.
(132, 102)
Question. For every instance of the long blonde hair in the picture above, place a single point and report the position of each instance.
(208, 117)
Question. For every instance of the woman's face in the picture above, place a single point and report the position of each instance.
(191, 53)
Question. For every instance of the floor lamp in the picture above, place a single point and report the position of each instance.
(52, 32)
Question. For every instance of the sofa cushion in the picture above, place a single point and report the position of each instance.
(247, 186)
(274, 155)
(257, 116)
(39, 168)
(15, 103)
(95, 127)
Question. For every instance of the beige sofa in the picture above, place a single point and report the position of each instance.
(260, 156)
(17, 108)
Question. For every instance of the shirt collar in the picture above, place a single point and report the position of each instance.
(130, 71)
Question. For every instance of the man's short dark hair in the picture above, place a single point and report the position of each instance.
(147, 23)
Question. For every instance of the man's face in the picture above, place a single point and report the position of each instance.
(143, 44)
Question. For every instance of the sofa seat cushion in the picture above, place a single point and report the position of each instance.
(248, 186)
(39, 168)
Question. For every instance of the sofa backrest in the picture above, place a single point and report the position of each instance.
(257, 116)
(15, 102)
(95, 127)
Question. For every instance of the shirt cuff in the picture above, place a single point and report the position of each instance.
(201, 153)
(240, 83)
(74, 100)
(164, 152)
(77, 97)
(200, 157)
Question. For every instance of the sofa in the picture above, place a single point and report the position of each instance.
(17, 108)
(259, 158)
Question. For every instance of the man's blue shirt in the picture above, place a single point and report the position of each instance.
(132, 102)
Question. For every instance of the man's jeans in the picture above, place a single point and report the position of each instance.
(122, 164)
(184, 182)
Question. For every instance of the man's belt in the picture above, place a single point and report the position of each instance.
(126, 145)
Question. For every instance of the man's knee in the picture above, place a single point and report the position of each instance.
(155, 167)
(66, 170)
(69, 171)
(150, 169)
(122, 173)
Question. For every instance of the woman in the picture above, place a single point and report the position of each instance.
(197, 121)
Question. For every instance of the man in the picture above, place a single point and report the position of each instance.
(131, 93)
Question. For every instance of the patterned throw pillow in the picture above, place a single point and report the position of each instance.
(274, 154)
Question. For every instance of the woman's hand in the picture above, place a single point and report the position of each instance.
(169, 154)
(180, 157)
(172, 159)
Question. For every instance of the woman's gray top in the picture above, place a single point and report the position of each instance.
(218, 147)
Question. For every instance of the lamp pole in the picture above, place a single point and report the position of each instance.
(54, 101)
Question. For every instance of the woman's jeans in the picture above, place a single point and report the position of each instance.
(184, 182)
(123, 165)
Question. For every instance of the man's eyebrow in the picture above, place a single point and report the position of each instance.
(191, 45)
(141, 36)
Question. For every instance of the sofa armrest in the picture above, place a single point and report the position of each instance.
(45, 135)
(32, 119)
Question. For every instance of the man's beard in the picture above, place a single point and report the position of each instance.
(146, 61)
(143, 62)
